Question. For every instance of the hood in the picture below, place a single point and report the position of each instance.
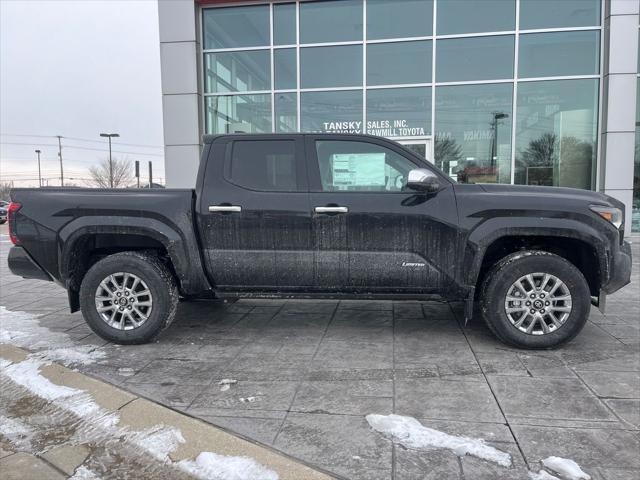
(560, 193)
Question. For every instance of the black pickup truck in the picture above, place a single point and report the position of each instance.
(324, 216)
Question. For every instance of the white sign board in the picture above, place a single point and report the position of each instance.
(358, 169)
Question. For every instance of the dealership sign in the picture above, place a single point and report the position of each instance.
(382, 128)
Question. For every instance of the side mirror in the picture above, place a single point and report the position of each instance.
(423, 180)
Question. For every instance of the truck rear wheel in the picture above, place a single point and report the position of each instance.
(129, 297)
(535, 299)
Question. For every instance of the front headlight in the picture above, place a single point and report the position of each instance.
(612, 215)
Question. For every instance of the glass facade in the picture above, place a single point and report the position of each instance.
(501, 90)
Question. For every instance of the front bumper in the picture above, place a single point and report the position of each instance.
(21, 264)
(620, 269)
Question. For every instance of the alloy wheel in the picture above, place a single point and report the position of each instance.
(538, 303)
(123, 301)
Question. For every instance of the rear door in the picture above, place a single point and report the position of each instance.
(255, 214)
(371, 233)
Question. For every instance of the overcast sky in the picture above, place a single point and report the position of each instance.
(78, 68)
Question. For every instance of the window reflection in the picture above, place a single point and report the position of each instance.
(237, 71)
(333, 112)
(286, 112)
(284, 24)
(556, 133)
(473, 132)
(464, 16)
(399, 18)
(399, 112)
(331, 21)
(559, 13)
(560, 53)
(238, 113)
(485, 58)
(233, 27)
(284, 64)
(323, 67)
(399, 63)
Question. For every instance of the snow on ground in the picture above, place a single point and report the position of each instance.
(17, 432)
(566, 468)
(410, 433)
(23, 330)
(159, 441)
(221, 467)
(78, 402)
(225, 384)
(83, 473)
(96, 425)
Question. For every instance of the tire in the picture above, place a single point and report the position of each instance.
(151, 313)
(570, 315)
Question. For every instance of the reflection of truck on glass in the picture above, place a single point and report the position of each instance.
(325, 216)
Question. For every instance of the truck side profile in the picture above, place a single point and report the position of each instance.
(325, 216)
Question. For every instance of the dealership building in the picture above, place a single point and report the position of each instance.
(528, 92)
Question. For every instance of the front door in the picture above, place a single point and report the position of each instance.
(371, 233)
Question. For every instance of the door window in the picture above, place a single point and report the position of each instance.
(361, 167)
(266, 165)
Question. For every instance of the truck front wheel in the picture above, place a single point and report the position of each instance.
(129, 297)
(535, 299)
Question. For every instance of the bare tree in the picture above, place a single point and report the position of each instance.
(114, 174)
(5, 187)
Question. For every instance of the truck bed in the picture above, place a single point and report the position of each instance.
(51, 220)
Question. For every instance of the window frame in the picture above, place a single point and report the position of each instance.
(313, 165)
(300, 163)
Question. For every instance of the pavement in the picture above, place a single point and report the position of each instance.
(308, 372)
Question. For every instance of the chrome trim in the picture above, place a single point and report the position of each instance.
(225, 208)
(331, 209)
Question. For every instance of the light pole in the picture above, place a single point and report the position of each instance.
(110, 136)
(494, 142)
(60, 157)
(39, 174)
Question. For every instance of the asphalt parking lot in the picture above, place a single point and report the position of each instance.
(308, 372)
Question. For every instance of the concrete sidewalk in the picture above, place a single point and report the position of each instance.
(45, 439)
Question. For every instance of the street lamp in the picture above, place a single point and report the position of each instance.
(494, 126)
(39, 174)
(110, 136)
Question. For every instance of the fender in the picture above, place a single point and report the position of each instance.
(182, 249)
(479, 239)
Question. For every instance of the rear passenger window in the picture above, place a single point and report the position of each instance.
(267, 165)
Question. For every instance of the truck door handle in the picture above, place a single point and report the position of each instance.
(225, 208)
(331, 209)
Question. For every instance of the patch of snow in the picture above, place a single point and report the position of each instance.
(565, 467)
(542, 475)
(83, 473)
(97, 424)
(212, 466)
(225, 384)
(412, 434)
(23, 330)
(16, 432)
(158, 440)
(27, 374)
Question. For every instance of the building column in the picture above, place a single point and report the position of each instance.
(181, 91)
(619, 101)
